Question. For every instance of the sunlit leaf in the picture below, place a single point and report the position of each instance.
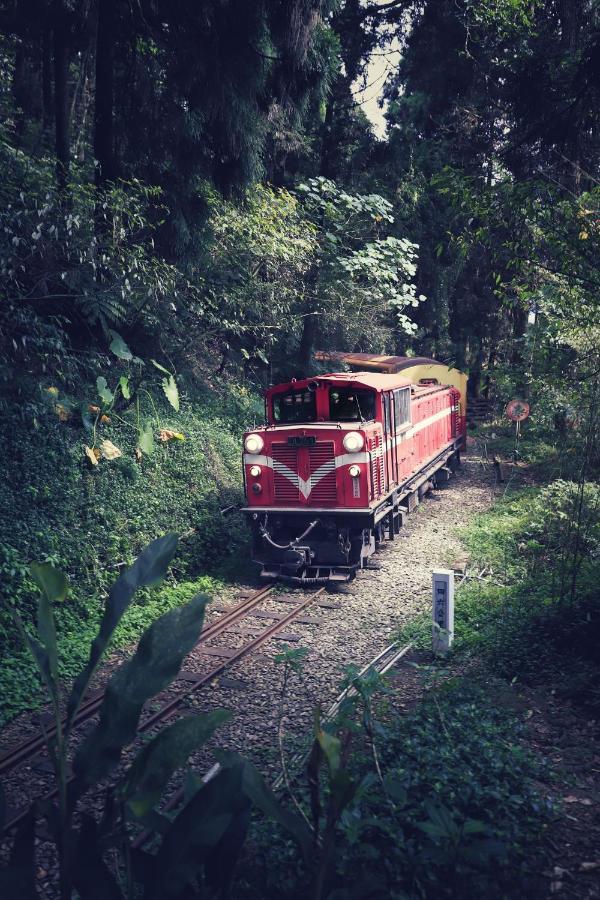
(169, 386)
(158, 366)
(93, 454)
(104, 393)
(51, 581)
(109, 451)
(165, 434)
(124, 385)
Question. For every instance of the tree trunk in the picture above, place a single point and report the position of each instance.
(307, 342)
(61, 92)
(103, 112)
(19, 89)
(47, 78)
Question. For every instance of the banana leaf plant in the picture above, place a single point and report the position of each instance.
(197, 844)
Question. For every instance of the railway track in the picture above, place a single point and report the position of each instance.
(187, 683)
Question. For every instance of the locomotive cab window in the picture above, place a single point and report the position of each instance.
(350, 405)
(402, 408)
(295, 406)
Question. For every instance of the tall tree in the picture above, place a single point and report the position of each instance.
(106, 39)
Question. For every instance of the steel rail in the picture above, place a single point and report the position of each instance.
(381, 664)
(260, 639)
(169, 707)
(35, 745)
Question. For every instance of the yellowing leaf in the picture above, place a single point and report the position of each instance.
(94, 409)
(583, 235)
(53, 391)
(109, 451)
(93, 454)
(138, 454)
(165, 434)
(104, 420)
(62, 412)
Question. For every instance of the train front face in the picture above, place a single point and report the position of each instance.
(308, 479)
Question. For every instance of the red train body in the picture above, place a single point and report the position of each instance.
(341, 460)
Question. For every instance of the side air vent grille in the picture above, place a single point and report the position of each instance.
(377, 473)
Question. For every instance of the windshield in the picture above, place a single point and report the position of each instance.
(351, 405)
(295, 406)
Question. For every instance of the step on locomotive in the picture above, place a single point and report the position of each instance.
(344, 457)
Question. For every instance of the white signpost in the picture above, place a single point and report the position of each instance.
(442, 611)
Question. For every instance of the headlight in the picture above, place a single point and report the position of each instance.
(255, 471)
(254, 443)
(354, 471)
(353, 442)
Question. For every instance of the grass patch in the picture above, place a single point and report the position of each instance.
(525, 621)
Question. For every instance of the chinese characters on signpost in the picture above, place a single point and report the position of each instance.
(442, 610)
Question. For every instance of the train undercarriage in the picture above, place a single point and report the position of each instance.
(319, 546)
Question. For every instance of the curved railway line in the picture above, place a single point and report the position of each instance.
(238, 632)
(27, 751)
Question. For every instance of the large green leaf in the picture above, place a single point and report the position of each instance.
(40, 655)
(54, 586)
(51, 581)
(196, 832)
(220, 866)
(105, 394)
(155, 663)
(330, 745)
(146, 439)
(149, 567)
(255, 789)
(124, 385)
(169, 386)
(170, 749)
(119, 347)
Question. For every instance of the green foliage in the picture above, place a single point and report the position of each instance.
(359, 267)
(211, 825)
(535, 619)
(90, 520)
(57, 254)
(452, 811)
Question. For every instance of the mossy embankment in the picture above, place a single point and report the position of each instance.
(89, 520)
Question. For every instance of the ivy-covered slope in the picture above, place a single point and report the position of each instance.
(89, 520)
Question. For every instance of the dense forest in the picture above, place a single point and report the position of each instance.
(197, 196)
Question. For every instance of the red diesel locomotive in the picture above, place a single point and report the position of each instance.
(342, 459)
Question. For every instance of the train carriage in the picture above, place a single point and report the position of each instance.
(341, 460)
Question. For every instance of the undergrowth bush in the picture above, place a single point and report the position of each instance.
(454, 815)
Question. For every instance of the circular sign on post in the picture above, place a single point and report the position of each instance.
(517, 410)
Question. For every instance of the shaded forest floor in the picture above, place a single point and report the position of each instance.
(570, 740)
